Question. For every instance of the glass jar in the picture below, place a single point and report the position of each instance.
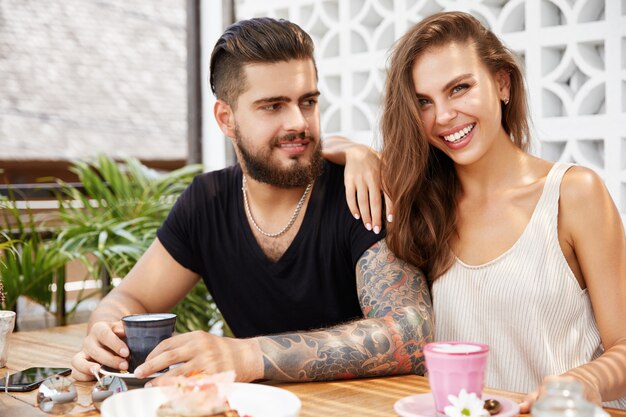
(563, 398)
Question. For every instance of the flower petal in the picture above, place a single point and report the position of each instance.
(466, 404)
(452, 411)
(455, 401)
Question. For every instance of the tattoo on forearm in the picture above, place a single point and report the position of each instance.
(398, 321)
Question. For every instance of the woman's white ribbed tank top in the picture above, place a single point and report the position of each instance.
(526, 305)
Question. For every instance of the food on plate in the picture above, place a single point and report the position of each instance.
(493, 406)
(199, 395)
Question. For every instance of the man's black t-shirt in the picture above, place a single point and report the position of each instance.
(311, 286)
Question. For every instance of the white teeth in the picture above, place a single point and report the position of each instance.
(455, 137)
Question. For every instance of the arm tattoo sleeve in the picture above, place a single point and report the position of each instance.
(397, 322)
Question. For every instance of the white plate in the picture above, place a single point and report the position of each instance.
(128, 377)
(423, 405)
(255, 400)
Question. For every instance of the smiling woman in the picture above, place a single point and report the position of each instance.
(452, 106)
(526, 256)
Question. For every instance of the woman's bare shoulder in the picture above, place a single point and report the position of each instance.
(582, 185)
(586, 206)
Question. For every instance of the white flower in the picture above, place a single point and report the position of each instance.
(465, 405)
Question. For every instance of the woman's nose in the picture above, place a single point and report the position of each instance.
(445, 113)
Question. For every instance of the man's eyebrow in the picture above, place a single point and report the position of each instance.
(271, 100)
(285, 99)
(310, 95)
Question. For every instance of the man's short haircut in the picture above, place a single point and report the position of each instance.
(258, 40)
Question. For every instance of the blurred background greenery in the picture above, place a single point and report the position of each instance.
(105, 222)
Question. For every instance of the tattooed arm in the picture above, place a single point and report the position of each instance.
(397, 322)
(388, 340)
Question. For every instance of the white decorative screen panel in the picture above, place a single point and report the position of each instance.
(574, 53)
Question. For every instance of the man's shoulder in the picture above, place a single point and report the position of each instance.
(333, 173)
(329, 191)
(333, 169)
(218, 181)
(224, 174)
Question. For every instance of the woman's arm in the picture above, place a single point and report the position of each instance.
(592, 227)
(361, 178)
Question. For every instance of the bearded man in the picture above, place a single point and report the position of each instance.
(308, 291)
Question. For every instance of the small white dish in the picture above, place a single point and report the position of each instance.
(128, 377)
(248, 399)
(423, 405)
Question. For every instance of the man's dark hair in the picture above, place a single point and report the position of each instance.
(258, 40)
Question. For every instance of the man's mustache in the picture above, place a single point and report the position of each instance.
(294, 136)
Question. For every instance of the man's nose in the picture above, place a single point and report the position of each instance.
(295, 120)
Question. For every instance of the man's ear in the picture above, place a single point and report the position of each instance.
(503, 82)
(225, 117)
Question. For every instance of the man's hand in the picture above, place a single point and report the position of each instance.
(201, 351)
(102, 346)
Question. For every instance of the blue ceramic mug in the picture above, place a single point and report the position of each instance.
(144, 332)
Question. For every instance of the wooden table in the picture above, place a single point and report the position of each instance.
(373, 397)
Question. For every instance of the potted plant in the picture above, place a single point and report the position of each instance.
(114, 218)
(31, 261)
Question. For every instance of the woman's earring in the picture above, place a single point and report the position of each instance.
(505, 100)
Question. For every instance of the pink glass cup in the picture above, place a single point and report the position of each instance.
(453, 366)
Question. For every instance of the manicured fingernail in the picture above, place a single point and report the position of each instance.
(138, 372)
(356, 216)
(124, 352)
(368, 226)
(390, 218)
(123, 365)
(148, 384)
(376, 229)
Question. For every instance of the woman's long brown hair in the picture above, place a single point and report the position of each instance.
(420, 179)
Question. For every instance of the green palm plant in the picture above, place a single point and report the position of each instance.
(29, 264)
(30, 271)
(115, 217)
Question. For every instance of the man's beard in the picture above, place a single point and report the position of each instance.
(259, 165)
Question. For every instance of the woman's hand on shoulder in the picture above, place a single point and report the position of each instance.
(362, 180)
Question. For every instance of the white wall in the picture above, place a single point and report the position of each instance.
(213, 22)
(574, 53)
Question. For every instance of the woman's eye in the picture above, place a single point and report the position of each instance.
(422, 102)
(459, 88)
